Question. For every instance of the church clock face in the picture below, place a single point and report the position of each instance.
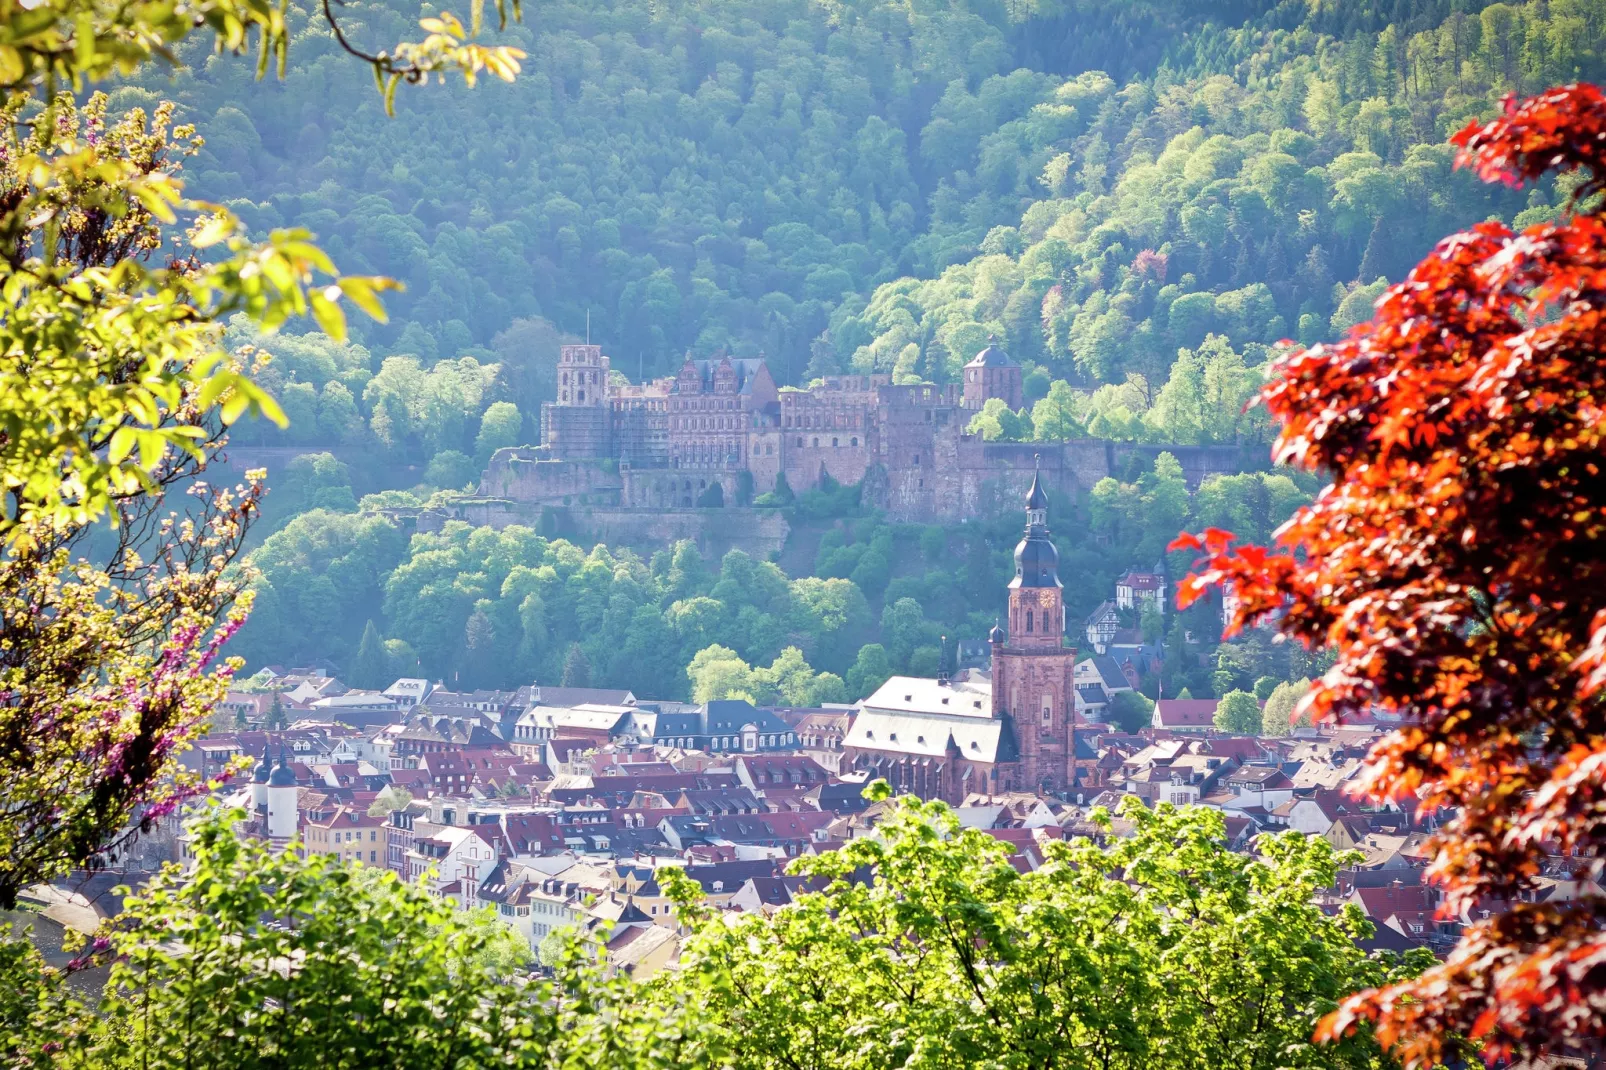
(1046, 599)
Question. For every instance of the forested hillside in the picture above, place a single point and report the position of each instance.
(745, 174)
(492, 608)
(1137, 199)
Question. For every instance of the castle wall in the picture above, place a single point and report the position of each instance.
(532, 474)
(576, 431)
(759, 532)
(678, 488)
(845, 462)
(765, 454)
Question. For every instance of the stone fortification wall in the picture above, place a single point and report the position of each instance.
(678, 488)
(576, 431)
(533, 475)
(759, 532)
(845, 462)
(969, 477)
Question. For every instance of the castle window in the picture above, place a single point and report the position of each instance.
(833, 442)
(917, 460)
(800, 440)
(582, 395)
(853, 441)
(816, 443)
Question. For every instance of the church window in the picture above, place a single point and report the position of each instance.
(1028, 620)
(1048, 709)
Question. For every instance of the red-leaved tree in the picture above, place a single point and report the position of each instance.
(1457, 567)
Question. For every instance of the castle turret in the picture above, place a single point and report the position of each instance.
(259, 782)
(991, 374)
(282, 791)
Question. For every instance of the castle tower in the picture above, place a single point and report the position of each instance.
(1033, 669)
(259, 782)
(578, 424)
(991, 374)
(582, 376)
(282, 791)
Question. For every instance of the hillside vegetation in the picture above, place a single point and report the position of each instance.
(1138, 200)
(1100, 184)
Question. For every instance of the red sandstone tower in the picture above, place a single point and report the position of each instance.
(1033, 674)
(991, 374)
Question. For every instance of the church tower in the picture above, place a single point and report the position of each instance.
(1033, 669)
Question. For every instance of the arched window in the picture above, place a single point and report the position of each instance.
(1028, 620)
(833, 443)
(854, 441)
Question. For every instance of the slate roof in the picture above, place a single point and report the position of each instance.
(991, 357)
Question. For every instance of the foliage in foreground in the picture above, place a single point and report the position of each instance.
(926, 948)
(1456, 568)
(1160, 949)
(115, 390)
(256, 959)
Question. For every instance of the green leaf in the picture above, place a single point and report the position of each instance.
(329, 314)
(11, 68)
(361, 291)
(214, 230)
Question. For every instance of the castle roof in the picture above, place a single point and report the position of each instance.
(991, 357)
(283, 776)
(746, 368)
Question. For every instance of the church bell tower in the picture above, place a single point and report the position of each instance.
(1033, 669)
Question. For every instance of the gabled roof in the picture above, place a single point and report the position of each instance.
(576, 696)
(1185, 713)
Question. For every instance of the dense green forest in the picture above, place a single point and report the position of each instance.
(1139, 200)
(499, 609)
(891, 182)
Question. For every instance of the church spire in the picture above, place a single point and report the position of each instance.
(1036, 499)
(1036, 559)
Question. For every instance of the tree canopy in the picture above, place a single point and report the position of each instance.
(1455, 569)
